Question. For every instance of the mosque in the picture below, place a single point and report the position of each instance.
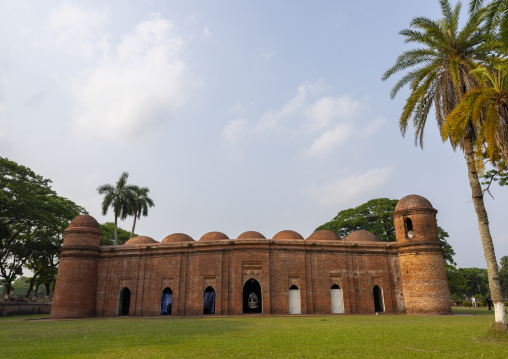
(287, 274)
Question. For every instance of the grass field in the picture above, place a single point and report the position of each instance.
(381, 336)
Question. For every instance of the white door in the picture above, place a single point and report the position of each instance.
(337, 301)
(294, 301)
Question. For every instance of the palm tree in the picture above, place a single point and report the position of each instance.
(439, 76)
(120, 198)
(486, 107)
(141, 204)
(496, 16)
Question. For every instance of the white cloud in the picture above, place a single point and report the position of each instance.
(271, 120)
(373, 127)
(235, 130)
(77, 27)
(350, 190)
(327, 122)
(329, 140)
(328, 110)
(136, 85)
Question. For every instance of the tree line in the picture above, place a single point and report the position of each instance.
(32, 220)
(462, 73)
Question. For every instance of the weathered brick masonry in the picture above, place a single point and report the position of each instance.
(322, 274)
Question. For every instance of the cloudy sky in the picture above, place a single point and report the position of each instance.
(238, 115)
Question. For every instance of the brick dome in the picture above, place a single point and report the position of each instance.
(287, 234)
(177, 237)
(213, 236)
(251, 235)
(140, 240)
(361, 236)
(84, 221)
(324, 235)
(412, 201)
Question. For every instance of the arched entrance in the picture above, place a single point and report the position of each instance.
(252, 302)
(294, 300)
(337, 299)
(124, 301)
(379, 304)
(167, 301)
(209, 301)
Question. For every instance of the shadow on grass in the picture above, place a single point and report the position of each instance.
(472, 311)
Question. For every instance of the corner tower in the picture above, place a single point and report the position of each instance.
(76, 281)
(422, 271)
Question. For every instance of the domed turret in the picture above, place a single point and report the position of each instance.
(422, 271)
(415, 220)
(84, 221)
(76, 280)
(413, 201)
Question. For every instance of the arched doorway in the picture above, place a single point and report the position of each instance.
(379, 304)
(124, 301)
(337, 299)
(209, 301)
(294, 300)
(167, 301)
(252, 302)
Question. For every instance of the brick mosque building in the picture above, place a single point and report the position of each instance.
(286, 274)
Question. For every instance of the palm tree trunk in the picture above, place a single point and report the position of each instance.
(115, 237)
(483, 225)
(133, 225)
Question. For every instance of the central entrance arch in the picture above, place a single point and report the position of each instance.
(252, 301)
(124, 301)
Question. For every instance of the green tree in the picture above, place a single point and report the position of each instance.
(108, 234)
(32, 216)
(486, 108)
(503, 276)
(141, 204)
(120, 197)
(497, 16)
(439, 75)
(475, 281)
(375, 216)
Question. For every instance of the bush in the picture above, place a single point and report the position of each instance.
(467, 304)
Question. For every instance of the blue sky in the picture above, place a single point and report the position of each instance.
(237, 115)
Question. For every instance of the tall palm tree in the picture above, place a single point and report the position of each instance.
(486, 107)
(119, 197)
(141, 204)
(439, 76)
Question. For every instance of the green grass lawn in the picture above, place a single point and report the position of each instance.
(352, 336)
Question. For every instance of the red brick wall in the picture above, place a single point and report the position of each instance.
(228, 265)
